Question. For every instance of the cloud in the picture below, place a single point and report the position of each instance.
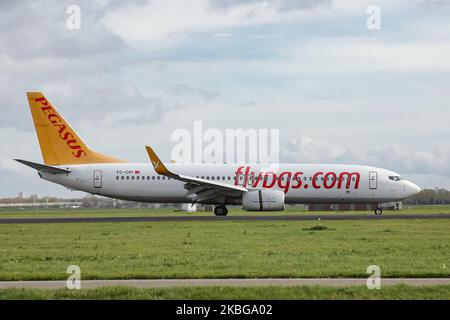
(337, 91)
(165, 23)
(181, 90)
(280, 5)
(308, 150)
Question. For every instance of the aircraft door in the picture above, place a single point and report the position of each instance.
(97, 178)
(373, 180)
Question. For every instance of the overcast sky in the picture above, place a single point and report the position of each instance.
(133, 73)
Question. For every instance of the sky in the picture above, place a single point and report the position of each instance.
(135, 72)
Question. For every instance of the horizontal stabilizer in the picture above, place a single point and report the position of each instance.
(43, 167)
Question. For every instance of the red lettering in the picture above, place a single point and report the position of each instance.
(61, 128)
(66, 135)
(79, 153)
(49, 109)
(257, 179)
(333, 180)
(247, 170)
(51, 116)
(73, 144)
(42, 100)
(237, 175)
(349, 177)
(56, 121)
(298, 179)
(266, 178)
(281, 184)
(315, 179)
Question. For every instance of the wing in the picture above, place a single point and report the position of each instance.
(204, 190)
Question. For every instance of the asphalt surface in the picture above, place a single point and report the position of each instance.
(299, 217)
(166, 283)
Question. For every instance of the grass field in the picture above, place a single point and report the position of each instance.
(233, 293)
(402, 248)
(54, 213)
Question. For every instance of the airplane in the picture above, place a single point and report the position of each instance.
(68, 161)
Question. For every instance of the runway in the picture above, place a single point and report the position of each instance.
(170, 283)
(299, 217)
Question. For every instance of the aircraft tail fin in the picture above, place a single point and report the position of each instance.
(59, 143)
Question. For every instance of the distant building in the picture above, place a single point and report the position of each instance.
(353, 207)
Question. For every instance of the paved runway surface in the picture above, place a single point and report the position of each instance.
(161, 283)
(299, 217)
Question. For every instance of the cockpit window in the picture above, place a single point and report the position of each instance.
(394, 178)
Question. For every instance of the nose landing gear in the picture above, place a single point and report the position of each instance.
(220, 211)
(378, 212)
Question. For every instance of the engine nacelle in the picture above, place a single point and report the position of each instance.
(263, 200)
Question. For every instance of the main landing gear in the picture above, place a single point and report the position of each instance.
(220, 211)
(378, 212)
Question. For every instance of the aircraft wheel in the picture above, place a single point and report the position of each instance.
(220, 211)
(378, 212)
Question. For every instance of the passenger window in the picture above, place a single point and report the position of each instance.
(158, 178)
(117, 177)
(137, 178)
(229, 178)
(122, 177)
(128, 177)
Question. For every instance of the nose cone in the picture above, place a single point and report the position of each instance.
(412, 189)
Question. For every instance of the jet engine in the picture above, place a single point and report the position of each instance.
(263, 200)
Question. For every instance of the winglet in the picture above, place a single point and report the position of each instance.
(160, 168)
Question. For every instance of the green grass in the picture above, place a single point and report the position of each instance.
(235, 293)
(402, 248)
(54, 213)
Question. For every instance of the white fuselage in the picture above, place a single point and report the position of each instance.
(302, 183)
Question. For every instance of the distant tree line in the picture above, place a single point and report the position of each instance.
(425, 197)
(37, 200)
(430, 196)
